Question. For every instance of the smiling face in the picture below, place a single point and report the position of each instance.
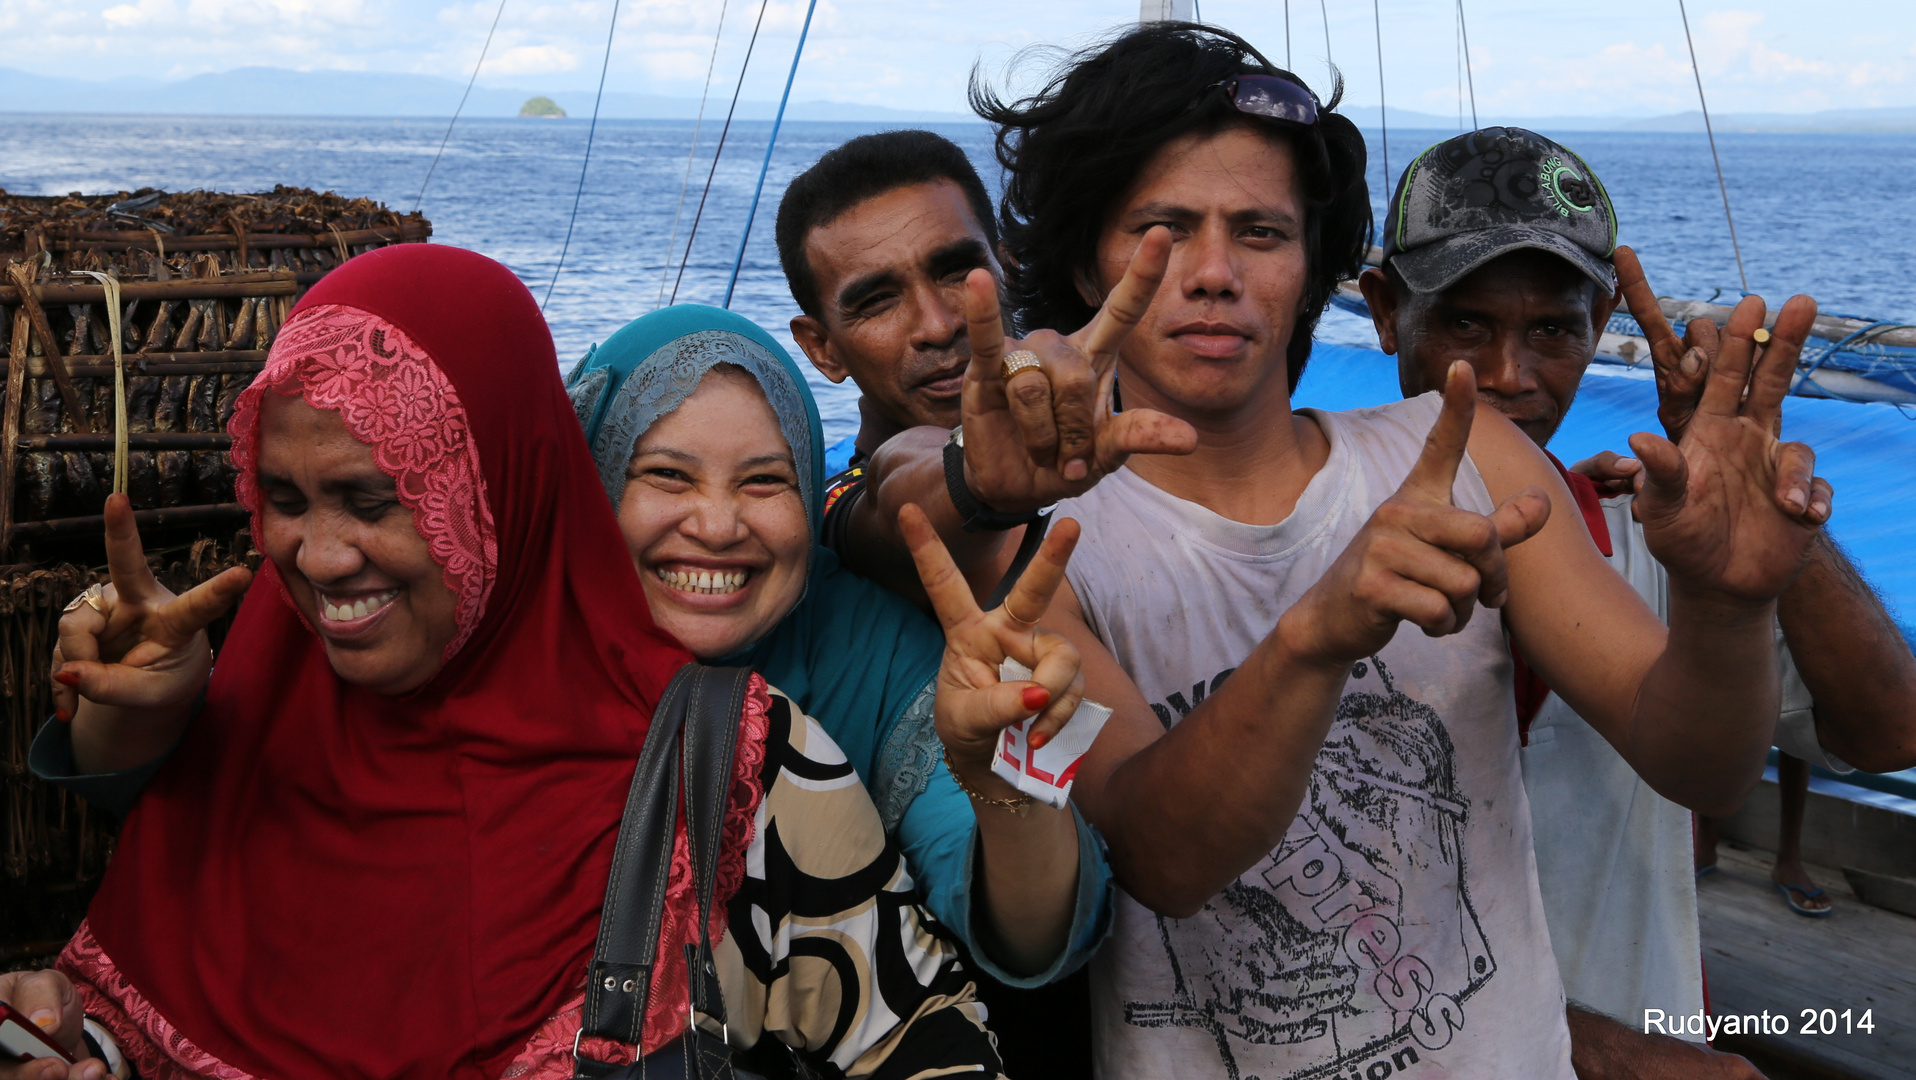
(890, 274)
(714, 518)
(1213, 340)
(346, 548)
(1527, 323)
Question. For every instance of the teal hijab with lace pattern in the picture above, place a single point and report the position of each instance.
(854, 656)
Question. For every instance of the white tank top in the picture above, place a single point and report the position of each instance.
(1397, 930)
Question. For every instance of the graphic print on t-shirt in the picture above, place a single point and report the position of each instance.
(1316, 948)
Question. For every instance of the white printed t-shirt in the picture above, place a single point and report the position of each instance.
(1397, 929)
(1614, 858)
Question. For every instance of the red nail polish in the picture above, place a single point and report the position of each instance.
(66, 678)
(63, 716)
(1036, 697)
(1038, 739)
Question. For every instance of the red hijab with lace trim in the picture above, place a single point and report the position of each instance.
(326, 881)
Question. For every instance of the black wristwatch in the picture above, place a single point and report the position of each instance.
(978, 517)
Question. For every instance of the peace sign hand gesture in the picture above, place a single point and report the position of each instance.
(133, 646)
(1681, 364)
(1419, 558)
(972, 705)
(1731, 508)
(1048, 432)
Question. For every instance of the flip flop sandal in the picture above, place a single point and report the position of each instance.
(1705, 871)
(1808, 894)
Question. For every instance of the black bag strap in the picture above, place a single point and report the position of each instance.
(619, 980)
(710, 739)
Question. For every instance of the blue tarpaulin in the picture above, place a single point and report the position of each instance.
(1860, 449)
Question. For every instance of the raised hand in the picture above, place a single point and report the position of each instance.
(1419, 559)
(972, 705)
(142, 647)
(47, 999)
(1613, 473)
(1732, 509)
(1680, 364)
(1048, 433)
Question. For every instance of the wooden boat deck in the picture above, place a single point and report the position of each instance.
(1760, 955)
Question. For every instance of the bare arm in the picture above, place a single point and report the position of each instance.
(1028, 851)
(1853, 659)
(1731, 513)
(1603, 1049)
(1851, 655)
(909, 470)
(1186, 811)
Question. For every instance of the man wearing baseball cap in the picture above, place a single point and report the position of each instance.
(1500, 250)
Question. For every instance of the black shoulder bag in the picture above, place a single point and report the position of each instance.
(693, 739)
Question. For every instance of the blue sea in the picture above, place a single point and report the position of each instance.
(1827, 215)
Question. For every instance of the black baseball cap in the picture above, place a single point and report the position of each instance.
(1486, 193)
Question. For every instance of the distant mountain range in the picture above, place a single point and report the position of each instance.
(264, 91)
(1833, 121)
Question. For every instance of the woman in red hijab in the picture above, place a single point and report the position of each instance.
(381, 845)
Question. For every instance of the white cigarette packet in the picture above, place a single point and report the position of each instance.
(1046, 773)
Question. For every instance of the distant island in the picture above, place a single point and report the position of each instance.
(259, 91)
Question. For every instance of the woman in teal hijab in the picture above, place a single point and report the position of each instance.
(860, 660)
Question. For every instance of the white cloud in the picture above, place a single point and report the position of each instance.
(531, 60)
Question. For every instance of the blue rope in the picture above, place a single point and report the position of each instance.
(699, 215)
(739, 262)
(434, 167)
(1804, 371)
(583, 165)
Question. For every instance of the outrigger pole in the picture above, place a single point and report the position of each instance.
(739, 262)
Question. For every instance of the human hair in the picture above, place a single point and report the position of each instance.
(861, 169)
(1074, 147)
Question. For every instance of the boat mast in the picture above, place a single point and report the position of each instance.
(1161, 10)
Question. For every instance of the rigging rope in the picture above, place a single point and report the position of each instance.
(1470, 77)
(717, 153)
(1711, 132)
(1383, 121)
(462, 108)
(587, 163)
(1324, 11)
(738, 263)
(1460, 79)
(672, 243)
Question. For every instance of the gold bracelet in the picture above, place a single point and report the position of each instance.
(1017, 802)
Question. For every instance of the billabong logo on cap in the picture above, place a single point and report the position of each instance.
(1566, 188)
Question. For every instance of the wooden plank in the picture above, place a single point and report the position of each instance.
(413, 230)
(226, 286)
(95, 524)
(1838, 832)
(138, 440)
(1761, 956)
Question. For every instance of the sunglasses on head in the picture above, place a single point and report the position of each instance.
(1271, 98)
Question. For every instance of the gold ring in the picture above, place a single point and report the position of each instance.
(1009, 614)
(91, 598)
(1021, 360)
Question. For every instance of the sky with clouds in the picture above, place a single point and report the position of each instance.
(1528, 58)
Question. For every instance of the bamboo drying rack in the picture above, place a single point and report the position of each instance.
(205, 281)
